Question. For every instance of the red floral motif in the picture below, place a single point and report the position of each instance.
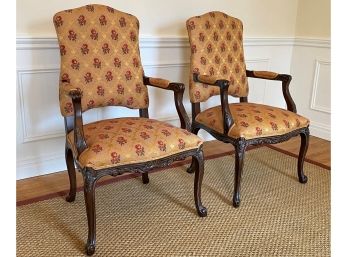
(106, 48)
(224, 70)
(68, 107)
(274, 125)
(216, 36)
(125, 49)
(138, 88)
(211, 71)
(287, 124)
(65, 78)
(108, 76)
(130, 123)
(128, 75)
(201, 37)
(166, 132)
(103, 136)
(222, 47)
(90, 8)
(114, 35)
(228, 36)
(81, 20)
(126, 130)
(100, 90)
(122, 22)
(298, 123)
(120, 89)
(148, 126)
(240, 36)
(84, 49)
(233, 25)
(229, 59)
(115, 158)
(243, 79)
(132, 36)
(221, 24)
(235, 47)
(135, 62)
(207, 25)
(244, 124)
(130, 100)
(96, 63)
(97, 148)
(139, 149)
(241, 57)
(203, 60)
(72, 35)
(108, 127)
(258, 131)
(186, 132)
(193, 49)
(239, 109)
(111, 10)
(197, 95)
(58, 21)
(237, 69)
(75, 64)
(94, 34)
(162, 146)
(191, 25)
(88, 77)
(181, 143)
(111, 101)
(144, 135)
(102, 20)
(196, 70)
(258, 118)
(211, 14)
(90, 104)
(256, 111)
(242, 115)
(271, 115)
(62, 50)
(121, 140)
(117, 62)
(209, 48)
(217, 59)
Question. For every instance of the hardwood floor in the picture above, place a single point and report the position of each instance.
(319, 150)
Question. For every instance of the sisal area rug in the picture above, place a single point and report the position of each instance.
(278, 216)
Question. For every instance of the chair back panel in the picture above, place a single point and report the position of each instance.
(99, 50)
(216, 41)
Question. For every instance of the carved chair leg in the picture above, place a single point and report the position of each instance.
(192, 168)
(198, 161)
(69, 159)
(145, 177)
(239, 161)
(89, 192)
(303, 150)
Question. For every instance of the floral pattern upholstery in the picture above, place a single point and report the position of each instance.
(99, 48)
(253, 120)
(123, 141)
(216, 41)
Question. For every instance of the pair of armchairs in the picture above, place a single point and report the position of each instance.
(101, 66)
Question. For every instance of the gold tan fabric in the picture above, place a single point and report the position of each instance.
(265, 74)
(216, 41)
(163, 83)
(253, 120)
(122, 141)
(99, 49)
(208, 79)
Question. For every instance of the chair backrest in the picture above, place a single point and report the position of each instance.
(99, 50)
(216, 41)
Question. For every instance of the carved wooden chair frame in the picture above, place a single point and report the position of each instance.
(91, 176)
(240, 144)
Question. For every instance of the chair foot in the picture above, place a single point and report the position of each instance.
(202, 211)
(303, 179)
(72, 174)
(90, 249)
(301, 157)
(70, 198)
(236, 200)
(145, 178)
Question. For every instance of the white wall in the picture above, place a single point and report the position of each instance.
(269, 43)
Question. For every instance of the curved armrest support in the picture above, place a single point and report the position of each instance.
(223, 85)
(79, 138)
(284, 78)
(179, 89)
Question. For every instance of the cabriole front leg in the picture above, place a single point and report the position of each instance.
(301, 157)
(69, 159)
(238, 169)
(198, 161)
(89, 192)
(192, 167)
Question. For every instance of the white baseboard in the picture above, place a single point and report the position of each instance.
(320, 130)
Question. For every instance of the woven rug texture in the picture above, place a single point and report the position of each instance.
(278, 216)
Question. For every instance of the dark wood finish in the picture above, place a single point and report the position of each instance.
(72, 174)
(240, 144)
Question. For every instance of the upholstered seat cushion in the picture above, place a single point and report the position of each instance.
(253, 120)
(123, 141)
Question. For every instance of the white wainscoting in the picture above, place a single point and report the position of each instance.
(40, 130)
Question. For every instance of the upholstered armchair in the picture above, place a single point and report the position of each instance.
(101, 66)
(218, 68)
